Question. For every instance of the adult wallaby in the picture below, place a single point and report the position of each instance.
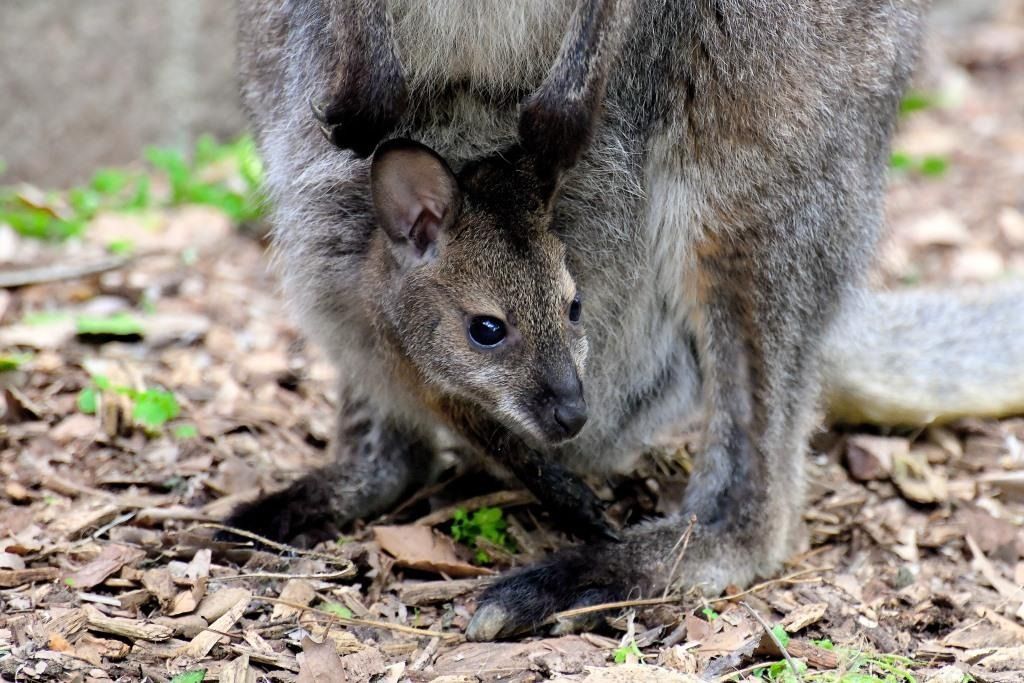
(711, 176)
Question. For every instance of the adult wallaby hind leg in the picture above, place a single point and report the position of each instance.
(774, 257)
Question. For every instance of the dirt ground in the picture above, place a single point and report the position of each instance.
(915, 570)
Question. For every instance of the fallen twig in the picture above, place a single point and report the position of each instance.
(354, 621)
(645, 602)
(55, 272)
(683, 541)
(283, 547)
(788, 578)
(345, 573)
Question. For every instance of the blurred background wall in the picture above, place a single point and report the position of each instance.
(89, 83)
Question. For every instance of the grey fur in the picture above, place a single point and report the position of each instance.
(720, 219)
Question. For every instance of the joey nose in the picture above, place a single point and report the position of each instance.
(562, 409)
(571, 416)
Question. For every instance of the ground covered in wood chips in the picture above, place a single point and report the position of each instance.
(150, 381)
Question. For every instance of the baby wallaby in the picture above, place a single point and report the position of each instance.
(483, 324)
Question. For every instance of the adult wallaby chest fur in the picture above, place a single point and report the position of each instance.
(721, 206)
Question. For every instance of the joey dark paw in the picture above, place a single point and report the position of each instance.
(523, 601)
(297, 515)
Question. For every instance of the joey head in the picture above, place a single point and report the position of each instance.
(473, 291)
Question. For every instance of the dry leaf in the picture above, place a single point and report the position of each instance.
(109, 562)
(420, 547)
(320, 663)
(158, 581)
(917, 480)
(871, 457)
(187, 601)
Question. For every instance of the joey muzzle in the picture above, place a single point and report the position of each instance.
(562, 409)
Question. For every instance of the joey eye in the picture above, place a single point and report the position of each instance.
(575, 309)
(487, 331)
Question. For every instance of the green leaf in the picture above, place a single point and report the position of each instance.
(486, 523)
(934, 166)
(900, 161)
(154, 407)
(117, 325)
(185, 431)
(780, 633)
(916, 101)
(621, 654)
(193, 676)
(121, 247)
(88, 400)
(109, 181)
(44, 317)
(824, 644)
(13, 361)
(709, 614)
(337, 610)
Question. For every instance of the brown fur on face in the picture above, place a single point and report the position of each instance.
(452, 249)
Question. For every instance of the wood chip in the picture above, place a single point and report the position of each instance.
(237, 671)
(215, 605)
(11, 578)
(804, 616)
(126, 628)
(298, 591)
(201, 645)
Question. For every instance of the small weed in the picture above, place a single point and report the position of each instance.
(151, 408)
(488, 523)
(13, 361)
(337, 610)
(779, 631)
(193, 676)
(929, 166)
(709, 614)
(622, 654)
(858, 668)
(185, 431)
(121, 247)
(227, 176)
(915, 100)
(44, 317)
(117, 325)
(191, 184)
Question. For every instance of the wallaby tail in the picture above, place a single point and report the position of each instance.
(923, 356)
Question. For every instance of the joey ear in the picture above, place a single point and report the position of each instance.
(415, 194)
